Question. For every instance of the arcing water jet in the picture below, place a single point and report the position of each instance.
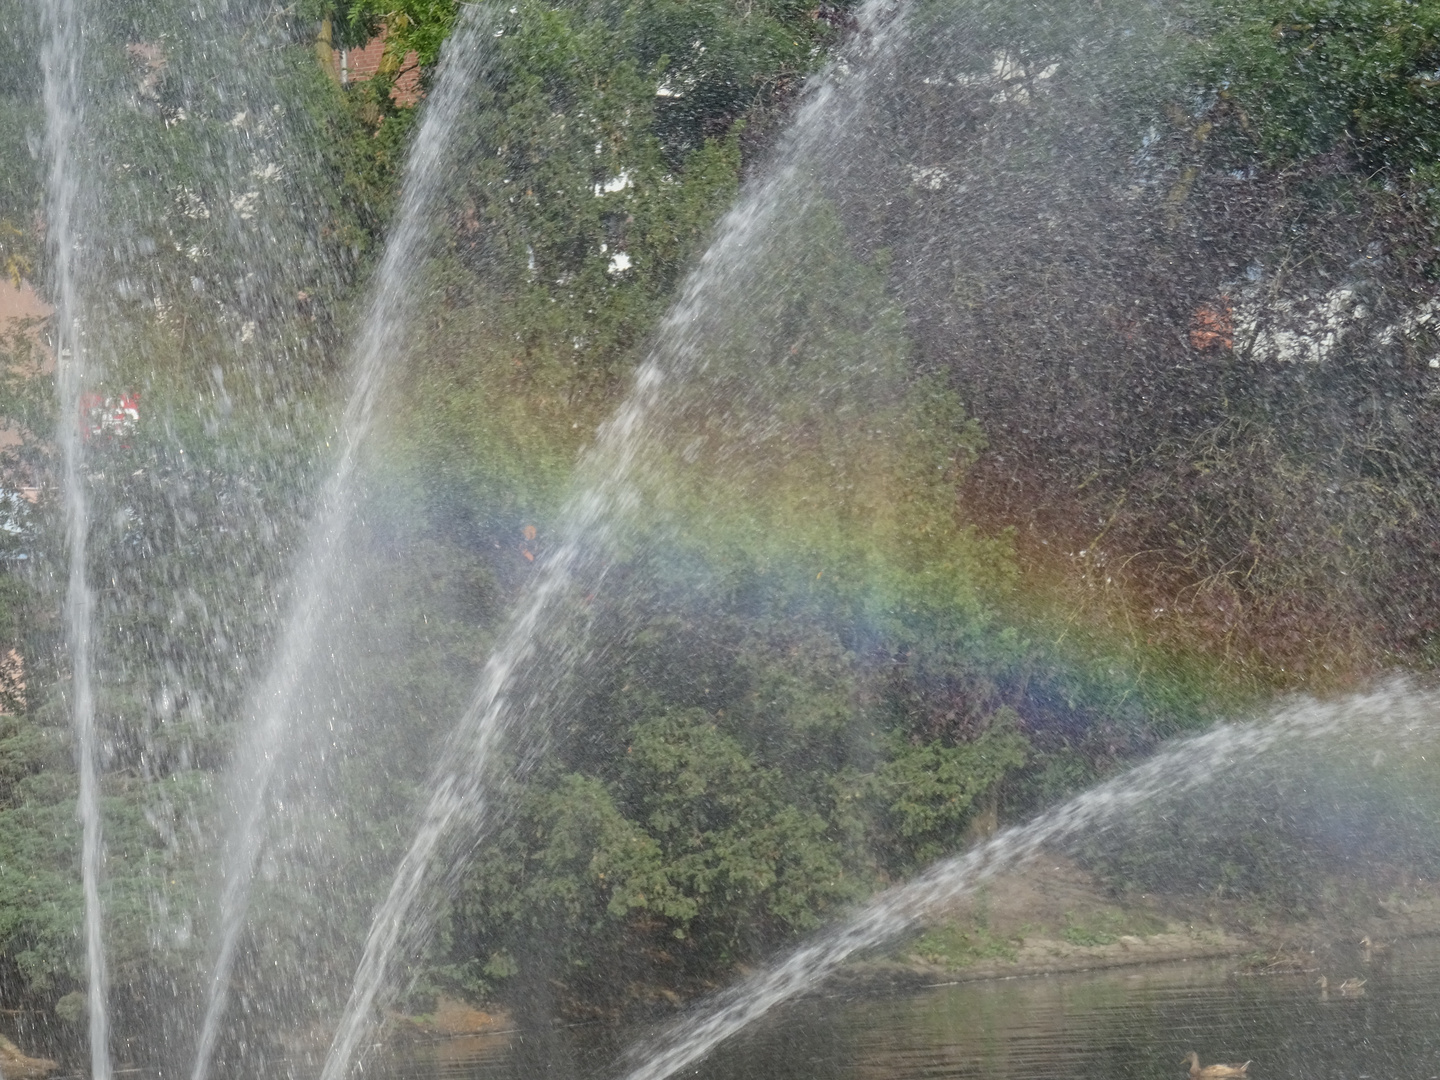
(1391, 716)
(387, 321)
(464, 783)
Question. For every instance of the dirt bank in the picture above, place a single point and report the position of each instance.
(451, 1019)
(15, 1064)
(1054, 916)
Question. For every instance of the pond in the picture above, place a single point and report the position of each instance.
(1121, 1023)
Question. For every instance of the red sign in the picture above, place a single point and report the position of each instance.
(108, 416)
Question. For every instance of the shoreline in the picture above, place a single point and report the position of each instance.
(1042, 956)
(1055, 917)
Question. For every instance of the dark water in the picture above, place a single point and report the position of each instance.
(1126, 1023)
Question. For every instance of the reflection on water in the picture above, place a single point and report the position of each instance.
(1127, 1023)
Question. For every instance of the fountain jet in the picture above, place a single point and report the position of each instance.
(609, 480)
(1398, 712)
(60, 60)
(382, 336)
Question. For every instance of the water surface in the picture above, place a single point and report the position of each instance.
(1121, 1023)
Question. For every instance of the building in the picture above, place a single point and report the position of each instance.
(361, 65)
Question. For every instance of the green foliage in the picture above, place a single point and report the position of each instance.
(953, 946)
(20, 184)
(40, 897)
(1083, 933)
(717, 56)
(720, 793)
(809, 696)
(1310, 76)
(931, 787)
(807, 690)
(572, 212)
(726, 837)
(362, 139)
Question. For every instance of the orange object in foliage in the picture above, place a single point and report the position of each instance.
(1213, 326)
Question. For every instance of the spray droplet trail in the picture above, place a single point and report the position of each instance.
(608, 483)
(1396, 712)
(60, 60)
(381, 339)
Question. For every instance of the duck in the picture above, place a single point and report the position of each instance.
(1372, 946)
(1213, 1072)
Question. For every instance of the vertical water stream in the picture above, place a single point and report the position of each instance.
(61, 59)
(381, 339)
